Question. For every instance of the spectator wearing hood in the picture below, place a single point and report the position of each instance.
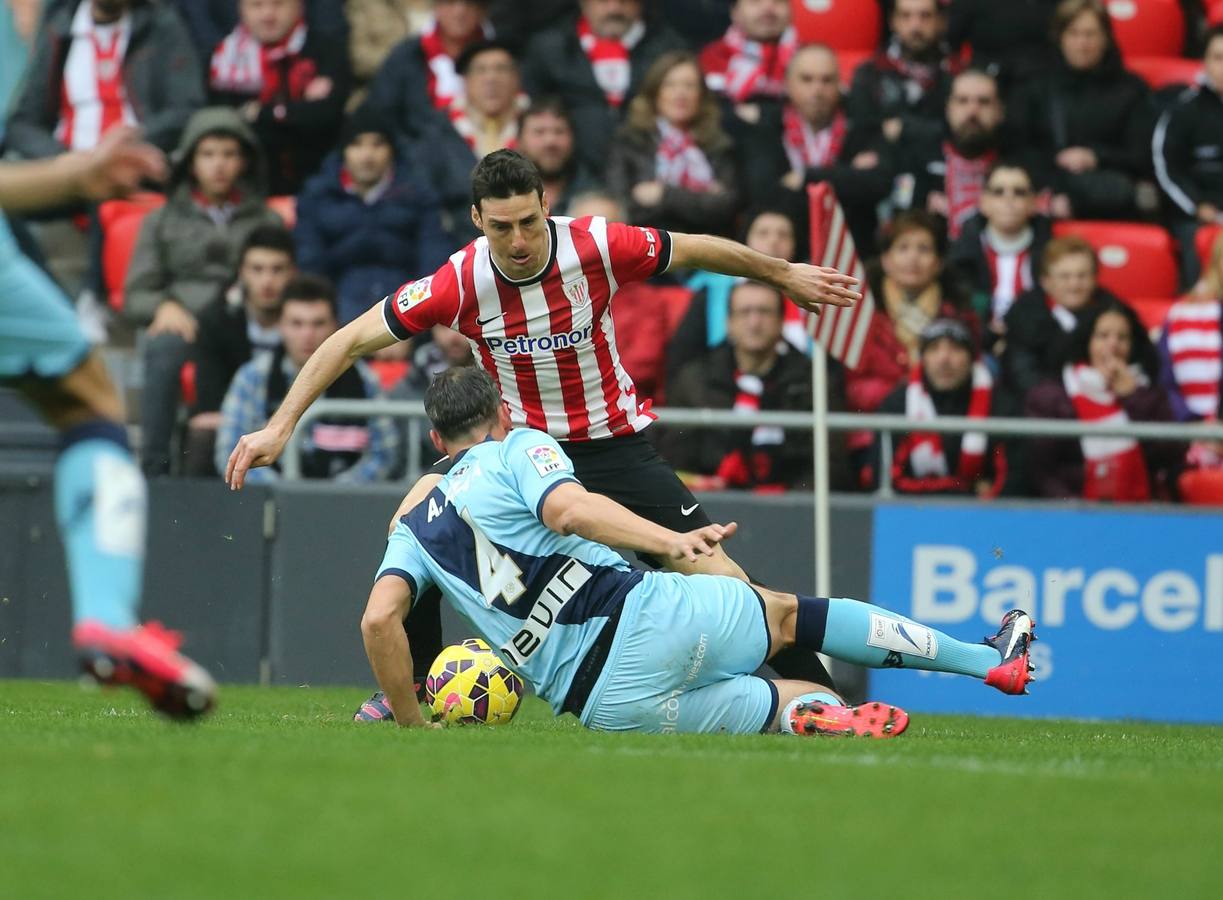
(187, 253)
(367, 221)
(1090, 116)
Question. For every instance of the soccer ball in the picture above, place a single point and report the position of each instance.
(467, 683)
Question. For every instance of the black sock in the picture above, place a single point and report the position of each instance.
(811, 622)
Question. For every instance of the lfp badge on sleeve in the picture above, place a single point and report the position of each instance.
(1128, 606)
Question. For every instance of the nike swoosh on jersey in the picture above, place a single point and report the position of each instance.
(480, 323)
(688, 510)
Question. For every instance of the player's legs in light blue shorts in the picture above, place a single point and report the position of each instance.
(100, 497)
(681, 658)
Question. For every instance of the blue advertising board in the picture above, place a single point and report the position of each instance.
(1128, 606)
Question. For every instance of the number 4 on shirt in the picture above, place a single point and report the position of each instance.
(499, 575)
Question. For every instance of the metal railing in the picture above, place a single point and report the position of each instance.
(414, 412)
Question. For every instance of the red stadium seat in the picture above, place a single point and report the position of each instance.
(389, 371)
(1204, 242)
(120, 221)
(285, 207)
(848, 61)
(186, 383)
(1202, 487)
(1152, 310)
(1135, 260)
(841, 24)
(1148, 27)
(1214, 13)
(1164, 71)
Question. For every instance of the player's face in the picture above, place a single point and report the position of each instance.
(761, 20)
(917, 25)
(946, 364)
(773, 235)
(517, 232)
(270, 20)
(457, 19)
(912, 262)
(679, 95)
(547, 140)
(611, 18)
(1110, 341)
(1008, 200)
(1214, 62)
(754, 321)
(973, 109)
(368, 158)
(813, 85)
(216, 165)
(1070, 281)
(492, 83)
(304, 325)
(1084, 42)
(264, 273)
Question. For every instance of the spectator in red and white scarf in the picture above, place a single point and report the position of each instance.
(809, 138)
(749, 62)
(419, 77)
(671, 164)
(908, 80)
(1191, 346)
(948, 380)
(943, 165)
(596, 62)
(1107, 378)
(288, 81)
(998, 252)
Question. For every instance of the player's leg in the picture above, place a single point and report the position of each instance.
(870, 635)
(805, 708)
(99, 493)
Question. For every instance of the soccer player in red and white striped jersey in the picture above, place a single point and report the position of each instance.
(533, 297)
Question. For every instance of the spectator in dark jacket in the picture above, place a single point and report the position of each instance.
(1039, 326)
(998, 252)
(1090, 116)
(289, 80)
(808, 138)
(546, 138)
(1010, 39)
(210, 20)
(368, 221)
(595, 63)
(1108, 376)
(671, 164)
(754, 370)
(239, 324)
(186, 253)
(748, 63)
(1188, 154)
(102, 62)
(947, 381)
(419, 79)
(908, 80)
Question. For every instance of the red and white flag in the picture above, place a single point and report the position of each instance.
(841, 330)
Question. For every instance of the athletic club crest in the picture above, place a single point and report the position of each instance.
(578, 291)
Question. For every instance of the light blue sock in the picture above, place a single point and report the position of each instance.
(872, 636)
(100, 505)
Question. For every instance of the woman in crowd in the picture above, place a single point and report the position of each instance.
(1108, 377)
(672, 166)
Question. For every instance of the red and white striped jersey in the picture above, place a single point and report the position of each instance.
(548, 341)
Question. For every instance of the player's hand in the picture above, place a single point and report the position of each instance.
(117, 165)
(259, 448)
(691, 545)
(812, 286)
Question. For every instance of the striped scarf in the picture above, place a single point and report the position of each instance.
(444, 83)
(748, 68)
(609, 59)
(462, 121)
(92, 95)
(926, 456)
(744, 467)
(679, 161)
(1010, 269)
(963, 183)
(807, 148)
(242, 65)
(1113, 468)
(1195, 344)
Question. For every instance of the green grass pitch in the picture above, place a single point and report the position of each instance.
(280, 795)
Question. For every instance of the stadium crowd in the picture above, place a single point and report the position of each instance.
(1037, 186)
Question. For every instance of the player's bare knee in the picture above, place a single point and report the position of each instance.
(780, 612)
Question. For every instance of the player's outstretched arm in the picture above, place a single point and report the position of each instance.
(571, 509)
(386, 645)
(808, 286)
(360, 337)
(116, 166)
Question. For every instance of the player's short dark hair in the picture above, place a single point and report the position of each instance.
(460, 400)
(547, 106)
(471, 51)
(270, 237)
(310, 289)
(504, 174)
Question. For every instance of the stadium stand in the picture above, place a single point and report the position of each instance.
(851, 25)
(1136, 260)
(120, 221)
(1148, 27)
(1161, 72)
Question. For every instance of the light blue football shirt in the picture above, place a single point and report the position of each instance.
(537, 597)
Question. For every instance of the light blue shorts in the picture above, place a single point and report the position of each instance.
(39, 334)
(681, 657)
